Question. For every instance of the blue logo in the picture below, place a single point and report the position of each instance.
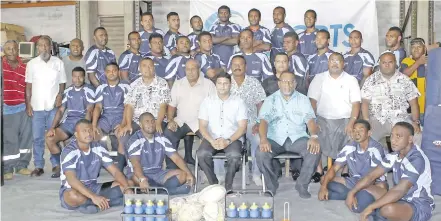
(333, 30)
(212, 19)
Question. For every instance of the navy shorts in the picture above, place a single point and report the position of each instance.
(155, 179)
(95, 188)
(68, 127)
(108, 123)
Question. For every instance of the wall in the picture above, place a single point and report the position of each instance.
(111, 8)
(437, 20)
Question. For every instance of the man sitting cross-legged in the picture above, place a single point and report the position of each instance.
(78, 101)
(146, 150)
(411, 197)
(362, 155)
(81, 162)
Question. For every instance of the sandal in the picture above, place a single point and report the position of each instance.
(316, 177)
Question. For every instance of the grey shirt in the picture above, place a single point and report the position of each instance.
(69, 65)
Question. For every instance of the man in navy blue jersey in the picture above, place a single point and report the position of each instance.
(358, 61)
(157, 54)
(279, 31)
(129, 59)
(307, 37)
(147, 23)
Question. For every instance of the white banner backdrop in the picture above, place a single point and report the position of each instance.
(339, 17)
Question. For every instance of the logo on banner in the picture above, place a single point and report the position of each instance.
(212, 19)
(334, 30)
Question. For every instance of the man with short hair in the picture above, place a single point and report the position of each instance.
(146, 151)
(129, 59)
(81, 162)
(157, 54)
(197, 25)
(281, 130)
(172, 35)
(109, 110)
(394, 37)
(358, 61)
(415, 68)
(148, 26)
(225, 34)
(75, 59)
(175, 69)
(318, 62)
(258, 65)
(187, 95)
(307, 45)
(17, 124)
(411, 197)
(361, 156)
(297, 61)
(222, 123)
(279, 30)
(386, 95)
(335, 98)
(45, 83)
(252, 93)
(78, 101)
(97, 57)
(281, 64)
(209, 62)
(261, 35)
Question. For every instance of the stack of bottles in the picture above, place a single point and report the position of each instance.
(254, 211)
(147, 208)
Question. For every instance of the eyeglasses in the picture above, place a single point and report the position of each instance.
(287, 81)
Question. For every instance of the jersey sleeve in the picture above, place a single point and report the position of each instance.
(91, 59)
(300, 65)
(342, 156)
(65, 96)
(170, 41)
(124, 62)
(266, 36)
(69, 159)
(202, 60)
(413, 168)
(368, 60)
(99, 96)
(89, 95)
(134, 146)
(104, 155)
(172, 68)
(168, 149)
(388, 162)
(266, 66)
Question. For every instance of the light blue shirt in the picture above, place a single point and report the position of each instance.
(13, 109)
(286, 118)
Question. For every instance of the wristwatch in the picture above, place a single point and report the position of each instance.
(142, 180)
(314, 136)
(417, 122)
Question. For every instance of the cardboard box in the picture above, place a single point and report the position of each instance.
(10, 32)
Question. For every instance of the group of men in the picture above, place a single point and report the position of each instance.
(304, 98)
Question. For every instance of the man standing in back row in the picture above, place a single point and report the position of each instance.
(307, 37)
(281, 28)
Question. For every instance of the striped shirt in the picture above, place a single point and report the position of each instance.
(14, 86)
(354, 63)
(96, 61)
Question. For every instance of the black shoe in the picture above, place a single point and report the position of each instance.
(316, 177)
(189, 160)
(295, 174)
(37, 172)
(56, 172)
(345, 175)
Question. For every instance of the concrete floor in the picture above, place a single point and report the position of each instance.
(31, 199)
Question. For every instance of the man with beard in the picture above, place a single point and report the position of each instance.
(175, 69)
(109, 110)
(75, 59)
(210, 63)
(225, 34)
(157, 54)
(279, 31)
(318, 62)
(97, 57)
(148, 25)
(361, 156)
(129, 60)
(261, 35)
(307, 45)
(386, 96)
(17, 139)
(297, 61)
(78, 101)
(281, 130)
(45, 83)
(146, 150)
(197, 25)
(415, 68)
(411, 197)
(358, 61)
(172, 35)
(81, 162)
(258, 65)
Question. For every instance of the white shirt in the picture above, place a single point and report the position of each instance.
(187, 99)
(223, 116)
(334, 96)
(45, 78)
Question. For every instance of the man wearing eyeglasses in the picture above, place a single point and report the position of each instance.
(335, 98)
(281, 130)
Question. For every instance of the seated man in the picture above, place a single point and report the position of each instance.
(147, 150)
(78, 100)
(109, 109)
(81, 162)
(411, 197)
(283, 117)
(187, 95)
(362, 156)
(222, 122)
